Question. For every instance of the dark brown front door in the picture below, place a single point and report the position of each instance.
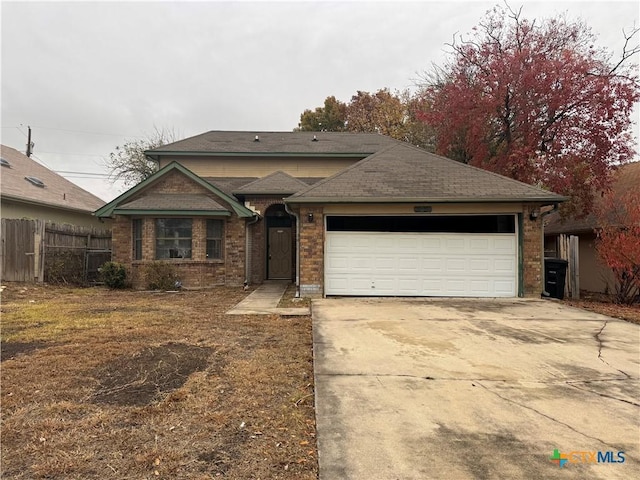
(279, 247)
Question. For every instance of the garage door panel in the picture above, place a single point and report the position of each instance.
(480, 265)
(407, 264)
(506, 245)
(431, 244)
(455, 244)
(504, 265)
(420, 264)
(480, 287)
(455, 287)
(479, 245)
(384, 263)
(433, 265)
(455, 266)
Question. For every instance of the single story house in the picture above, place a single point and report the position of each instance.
(32, 191)
(594, 276)
(338, 213)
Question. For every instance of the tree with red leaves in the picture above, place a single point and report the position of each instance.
(538, 102)
(618, 242)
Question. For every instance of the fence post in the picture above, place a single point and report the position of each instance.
(38, 251)
(574, 259)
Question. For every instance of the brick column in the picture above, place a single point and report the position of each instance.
(311, 252)
(532, 253)
(235, 251)
(121, 240)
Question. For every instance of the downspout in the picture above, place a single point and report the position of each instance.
(297, 217)
(247, 249)
(542, 215)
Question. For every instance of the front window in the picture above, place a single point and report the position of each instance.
(214, 239)
(173, 238)
(137, 239)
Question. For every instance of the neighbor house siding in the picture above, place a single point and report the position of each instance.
(594, 276)
(12, 209)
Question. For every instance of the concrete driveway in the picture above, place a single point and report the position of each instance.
(462, 388)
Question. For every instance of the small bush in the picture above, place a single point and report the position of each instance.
(160, 276)
(64, 267)
(113, 274)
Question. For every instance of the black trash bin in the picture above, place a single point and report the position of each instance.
(555, 273)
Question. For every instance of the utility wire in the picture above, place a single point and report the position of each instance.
(41, 161)
(88, 133)
(69, 153)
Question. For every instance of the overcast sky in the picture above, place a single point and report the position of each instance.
(87, 76)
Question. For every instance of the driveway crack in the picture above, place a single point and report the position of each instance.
(555, 420)
(601, 346)
(604, 395)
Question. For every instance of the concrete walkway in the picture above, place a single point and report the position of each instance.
(264, 301)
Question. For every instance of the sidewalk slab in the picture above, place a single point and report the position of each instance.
(264, 301)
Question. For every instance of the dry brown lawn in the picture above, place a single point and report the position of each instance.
(604, 304)
(137, 385)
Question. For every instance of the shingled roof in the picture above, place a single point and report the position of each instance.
(131, 196)
(57, 191)
(277, 143)
(403, 173)
(275, 184)
(194, 203)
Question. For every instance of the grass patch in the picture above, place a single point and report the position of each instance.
(289, 299)
(122, 384)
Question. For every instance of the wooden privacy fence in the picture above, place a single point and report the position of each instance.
(37, 250)
(568, 249)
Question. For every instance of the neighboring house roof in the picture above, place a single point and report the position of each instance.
(114, 206)
(193, 204)
(626, 179)
(277, 144)
(229, 184)
(278, 183)
(57, 191)
(404, 173)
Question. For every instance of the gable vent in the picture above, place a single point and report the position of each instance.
(35, 181)
(5, 162)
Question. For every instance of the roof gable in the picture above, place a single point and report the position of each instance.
(277, 144)
(109, 209)
(274, 184)
(404, 173)
(178, 203)
(57, 192)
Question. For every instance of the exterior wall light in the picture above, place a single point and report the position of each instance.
(310, 217)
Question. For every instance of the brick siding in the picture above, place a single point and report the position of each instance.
(197, 271)
(311, 252)
(532, 253)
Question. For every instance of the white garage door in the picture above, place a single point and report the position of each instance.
(420, 264)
